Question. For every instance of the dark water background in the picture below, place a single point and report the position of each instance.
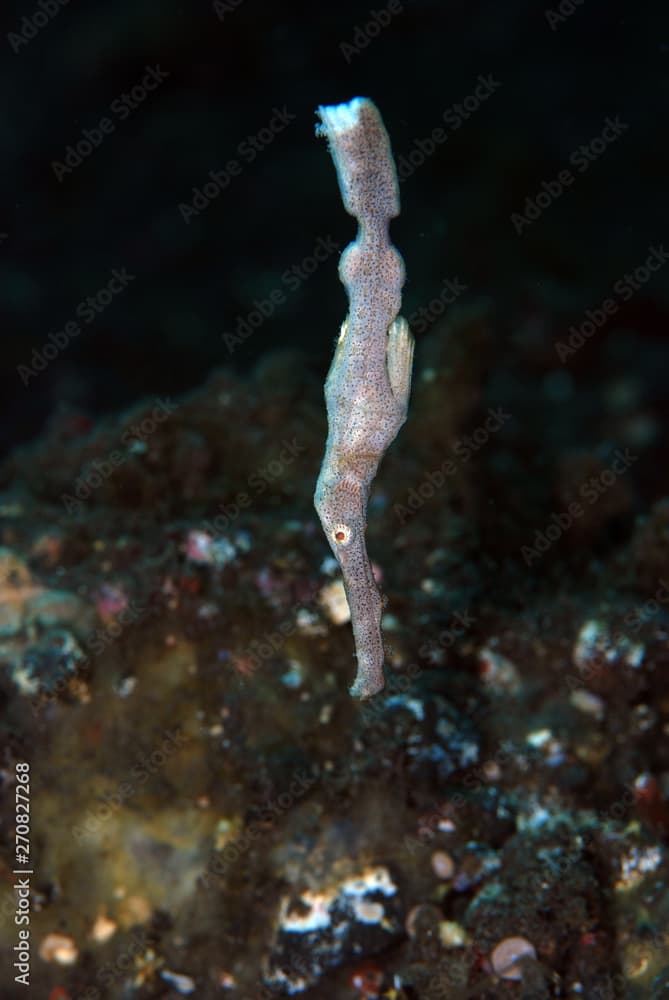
(557, 78)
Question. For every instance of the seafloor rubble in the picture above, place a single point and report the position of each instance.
(212, 815)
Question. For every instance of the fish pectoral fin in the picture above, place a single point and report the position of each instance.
(339, 344)
(342, 332)
(399, 360)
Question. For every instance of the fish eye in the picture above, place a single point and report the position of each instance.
(341, 534)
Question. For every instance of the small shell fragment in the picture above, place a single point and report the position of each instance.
(59, 948)
(103, 929)
(182, 984)
(590, 704)
(443, 865)
(452, 934)
(508, 953)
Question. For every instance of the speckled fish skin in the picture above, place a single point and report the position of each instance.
(368, 385)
